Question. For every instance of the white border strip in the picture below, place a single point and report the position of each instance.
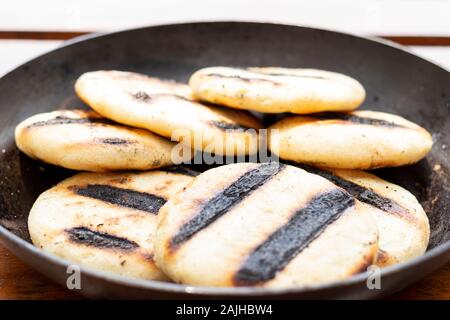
(381, 17)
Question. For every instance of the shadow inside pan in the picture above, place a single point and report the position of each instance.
(395, 81)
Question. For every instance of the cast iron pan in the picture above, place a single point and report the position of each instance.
(396, 81)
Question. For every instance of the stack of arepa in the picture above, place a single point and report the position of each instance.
(140, 210)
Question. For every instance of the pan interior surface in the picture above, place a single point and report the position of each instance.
(395, 81)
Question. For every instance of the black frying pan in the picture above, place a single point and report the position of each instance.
(396, 81)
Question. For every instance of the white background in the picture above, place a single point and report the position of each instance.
(367, 17)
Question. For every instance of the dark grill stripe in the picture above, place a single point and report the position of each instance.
(355, 119)
(141, 95)
(148, 97)
(122, 197)
(275, 74)
(361, 193)
(224, 201)
(114, 141)
(97, 239)
(181, 170)
(289, 240)
(245, 79)
(66, 120)
(228, 126)
(145, 97)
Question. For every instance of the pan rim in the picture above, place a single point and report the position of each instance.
(95, 35)
(5, 234)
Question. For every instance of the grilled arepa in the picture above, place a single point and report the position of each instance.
(267, 225)
(105, 221)
(83, 140)
(354, 140)
(402, 223)
(167, 108)
(275, 90)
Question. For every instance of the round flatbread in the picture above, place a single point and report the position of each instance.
(83, 140)
(105, 221)
(275, 90)
(167, 108)
(402, 223)
(267, 225)
(355, 140)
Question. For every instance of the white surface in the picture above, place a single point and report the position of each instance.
(380, 17)
(15, 52)
(438, 55)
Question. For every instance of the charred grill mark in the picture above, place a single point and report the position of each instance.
(148, 257)
(228, 126)
(245, 79)
(146, 97)
(114, 141)
(291, 75)
(355, 119)
(122, 197)
(361, 193)
(382, 257)
(87, 237)
(66, 120)
(275, 253)
(181, 170)
(274, 74)
(141, 95)
(224, 201)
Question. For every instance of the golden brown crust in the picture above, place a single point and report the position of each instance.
(276, 90)
(83, 140)
(105, 221)
(213, 232)
(368, 140)
(167, 109)
(402, 223)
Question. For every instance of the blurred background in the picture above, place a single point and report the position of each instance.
(29, 28)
